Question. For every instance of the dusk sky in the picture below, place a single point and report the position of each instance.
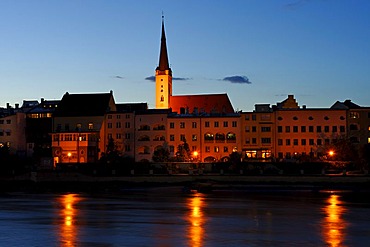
(255, 51)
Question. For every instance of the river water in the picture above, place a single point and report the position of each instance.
(168, 217)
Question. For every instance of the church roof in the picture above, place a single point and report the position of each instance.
(163, 56)
(202, 103)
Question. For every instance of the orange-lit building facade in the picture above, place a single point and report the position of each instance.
(210, 138)
(85, 124)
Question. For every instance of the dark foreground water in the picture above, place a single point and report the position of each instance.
(167, 217)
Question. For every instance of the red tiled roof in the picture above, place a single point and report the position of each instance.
(207, 103)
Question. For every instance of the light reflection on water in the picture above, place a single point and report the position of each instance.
(197, 220)
(165, 218)
(333, 225)
(68, 227)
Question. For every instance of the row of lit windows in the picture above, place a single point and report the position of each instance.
(72, 137)
(216, 149)
(39, 115)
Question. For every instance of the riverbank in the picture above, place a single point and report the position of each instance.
(43, 181)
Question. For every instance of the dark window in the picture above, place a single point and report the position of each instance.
(295, 142)
(266, 140)
(280, 142)
(303, 129)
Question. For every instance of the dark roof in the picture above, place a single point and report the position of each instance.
(73, 105)
(163, 56)
(202, 103)
(131, 107)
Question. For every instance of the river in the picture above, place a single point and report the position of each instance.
(168, 217)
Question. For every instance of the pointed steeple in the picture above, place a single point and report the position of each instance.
(163, 56)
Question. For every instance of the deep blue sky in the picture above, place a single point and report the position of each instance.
(318, 50)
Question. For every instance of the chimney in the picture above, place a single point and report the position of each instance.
(7, 106)
(17, 106)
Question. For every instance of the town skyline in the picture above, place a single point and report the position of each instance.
(316, 50)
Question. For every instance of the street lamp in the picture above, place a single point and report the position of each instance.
(69, 156)
(195, 155)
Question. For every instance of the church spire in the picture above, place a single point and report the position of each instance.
(163, 56)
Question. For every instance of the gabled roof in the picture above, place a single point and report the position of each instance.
(74, 105)
(203, 103)
(347, 104)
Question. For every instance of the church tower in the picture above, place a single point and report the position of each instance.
(163, 76)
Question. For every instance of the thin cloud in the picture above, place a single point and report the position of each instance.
(237, 79)
(296, 4)
(152, 78)
(117, 77)
(180, 79)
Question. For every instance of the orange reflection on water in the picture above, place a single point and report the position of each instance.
(334, 226)
(68, 231)
(196, 219)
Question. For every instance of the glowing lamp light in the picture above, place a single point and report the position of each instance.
(69, 155)
(331, 153)
(195, 153)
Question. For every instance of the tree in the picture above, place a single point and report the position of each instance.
(161, 154)
(183, 152)
(112, 154)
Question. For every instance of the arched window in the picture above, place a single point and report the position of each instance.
(231, 137)
(144, 127)
(208, 137)
(144, 138)
(210, 159)
(220, 137)
(159, 138)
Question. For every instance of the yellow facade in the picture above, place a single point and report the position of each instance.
(163, 82)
